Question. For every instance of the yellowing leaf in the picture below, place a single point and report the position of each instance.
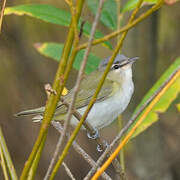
(65, 91)
(166, 94)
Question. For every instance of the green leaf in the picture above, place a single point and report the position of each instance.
(164, 102)
(54, 50)
(51, 14)
(109, 12)
(131, 4)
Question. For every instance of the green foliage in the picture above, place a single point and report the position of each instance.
(131, 4)
(51, 14)
(54, 50)
(164, 102)
(109, 12)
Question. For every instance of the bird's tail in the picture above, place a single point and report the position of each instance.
(31, 112)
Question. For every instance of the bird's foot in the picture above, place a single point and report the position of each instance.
(93, 135)
(102, 147)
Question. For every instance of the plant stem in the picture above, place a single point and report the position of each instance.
(3, 164)
(52, 101)
(2, 14)
(7, 156)
(34, 166)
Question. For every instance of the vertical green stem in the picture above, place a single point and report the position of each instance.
(34, 166)
(7, 156)
(3, 164)
(53, 99)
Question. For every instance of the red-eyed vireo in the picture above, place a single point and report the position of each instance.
(111, 101)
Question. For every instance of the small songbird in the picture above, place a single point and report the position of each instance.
(112, 100)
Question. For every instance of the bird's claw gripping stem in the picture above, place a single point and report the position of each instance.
(93, 135)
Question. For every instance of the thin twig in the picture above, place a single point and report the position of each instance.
(81, 28)
(2, 14)
(69, 173)
(78, 148)
(76, 88)
(125, 28)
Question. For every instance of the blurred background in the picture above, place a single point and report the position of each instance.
(23, 72)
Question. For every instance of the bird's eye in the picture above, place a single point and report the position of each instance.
(116, 66)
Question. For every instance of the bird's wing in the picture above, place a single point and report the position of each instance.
(85, 93)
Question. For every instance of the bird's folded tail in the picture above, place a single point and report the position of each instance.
(31, 112)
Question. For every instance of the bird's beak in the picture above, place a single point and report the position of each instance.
(132, 60)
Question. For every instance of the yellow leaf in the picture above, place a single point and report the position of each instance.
(65, 91)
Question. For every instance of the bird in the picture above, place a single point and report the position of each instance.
(112, 100)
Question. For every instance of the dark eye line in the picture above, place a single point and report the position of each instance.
(123, 64)
(117, 66)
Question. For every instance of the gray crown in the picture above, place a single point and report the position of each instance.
(118, 59)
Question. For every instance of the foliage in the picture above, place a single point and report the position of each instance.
(164, 102)
(108, 15)
(54, 51)
(52, 15)
(131, 4)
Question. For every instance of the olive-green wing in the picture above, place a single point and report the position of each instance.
(86, 91)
